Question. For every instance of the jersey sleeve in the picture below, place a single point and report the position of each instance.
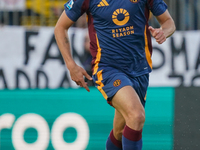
(157, 7)
(75, 8)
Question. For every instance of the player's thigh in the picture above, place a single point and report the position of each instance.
(118, 125)
(127, 102)
(109, 80)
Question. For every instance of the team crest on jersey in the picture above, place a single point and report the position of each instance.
(117, 83)
(134, 1)
(70, 4)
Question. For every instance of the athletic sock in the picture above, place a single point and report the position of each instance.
(112, 143)
(131, 139)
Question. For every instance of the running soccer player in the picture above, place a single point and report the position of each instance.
(120, 44)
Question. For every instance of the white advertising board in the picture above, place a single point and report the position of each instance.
(176, 62)
(31, 59)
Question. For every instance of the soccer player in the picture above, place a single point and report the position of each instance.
(120, 44)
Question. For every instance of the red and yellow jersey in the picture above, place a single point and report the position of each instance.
(118, 31)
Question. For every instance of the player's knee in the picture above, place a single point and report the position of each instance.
(137, 117)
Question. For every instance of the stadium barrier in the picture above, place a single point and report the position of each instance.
(75, 119)
(78, 120)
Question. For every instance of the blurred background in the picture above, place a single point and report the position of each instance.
(42, 109)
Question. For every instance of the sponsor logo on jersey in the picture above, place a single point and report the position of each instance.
(134, 1)
(103, 3)
(121, 17)
(122, 31)
(117, 83)
(69, 5)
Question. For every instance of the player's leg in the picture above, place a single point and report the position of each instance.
(114, 141)
(118, 89)
(127, 102)
(118, 125)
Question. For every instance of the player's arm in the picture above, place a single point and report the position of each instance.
(77, 73)
(166, 30)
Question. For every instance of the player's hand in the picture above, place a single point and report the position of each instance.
(158, 34)
(77, 74)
